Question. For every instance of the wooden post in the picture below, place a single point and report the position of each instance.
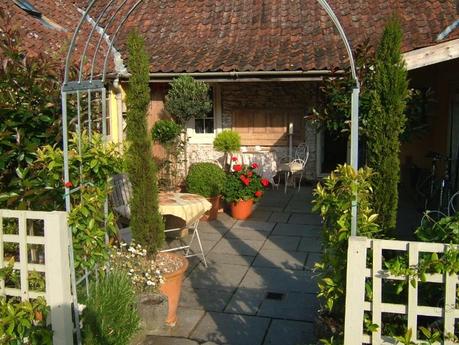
(355, 292)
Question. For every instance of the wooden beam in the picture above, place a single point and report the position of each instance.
(431, 55)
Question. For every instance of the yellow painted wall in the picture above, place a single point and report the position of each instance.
(116, 126)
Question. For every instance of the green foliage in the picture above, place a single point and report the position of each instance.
(227, 141)
(24, 322)
(243, 183)
(12, 278)
(206, 179)
(146, 223)
(333, 198)
(165, 132)
(445, 230)
(386, 121)
(110, 316)
(187, 99)
(29, 105)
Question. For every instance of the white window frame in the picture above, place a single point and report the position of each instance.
(208, 138)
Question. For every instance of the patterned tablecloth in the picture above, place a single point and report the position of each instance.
(189, 207)
(266, 160)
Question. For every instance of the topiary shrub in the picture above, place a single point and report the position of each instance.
(227, 141)
(206, 179)
(110, 316)
(165, 132)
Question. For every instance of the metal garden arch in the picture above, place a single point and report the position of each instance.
(89, 93)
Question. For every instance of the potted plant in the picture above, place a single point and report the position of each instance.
(243, 187)
(146, 223)
(227, 142)
(208, 180)
(187, 99)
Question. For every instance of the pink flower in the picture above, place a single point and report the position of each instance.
(254, 165)
(237, 167)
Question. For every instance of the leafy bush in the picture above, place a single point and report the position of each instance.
(206, 179)
(243, 183)
(333, 200)
(165, 132)
(227, 141)
(445, 230)
(24, 322)
(146, 223)
(187, 99)
(110, 316)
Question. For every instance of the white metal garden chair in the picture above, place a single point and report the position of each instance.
(295, 167)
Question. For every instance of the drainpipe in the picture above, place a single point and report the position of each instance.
(119, 107)
(450, 28)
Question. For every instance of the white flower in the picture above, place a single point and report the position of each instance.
(81, 307)
(149, 283)
(123, 244)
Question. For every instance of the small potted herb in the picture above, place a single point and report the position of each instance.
(227, 142)
(208, 180)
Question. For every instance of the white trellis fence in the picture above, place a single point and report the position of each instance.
(362, 250)
(40, 241)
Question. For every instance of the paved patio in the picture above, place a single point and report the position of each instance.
(258, 288)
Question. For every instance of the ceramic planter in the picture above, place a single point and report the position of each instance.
(172, 287)
(213, 212)
(241, 209)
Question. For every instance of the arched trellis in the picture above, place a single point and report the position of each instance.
(90, 88)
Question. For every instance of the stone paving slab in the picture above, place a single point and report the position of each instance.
(231, 329)
(216, 276)
(312, 259)
(282, 229)
(260, 214)
(310, 244)
(187, 319)
(279, 280)
(293, 306)
(286, 332)
(213, 227)
(160, 340)
(288, 243)
(254, 224)
(279, 217)
(300, 218)
(246, 301)
(238, 247)
(217, 258)
(247, 234)
(280, 259)
(209, 299)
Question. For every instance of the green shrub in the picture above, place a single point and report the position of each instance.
(24, 322)
(386, 122)
(187, 99)
(110, 316)
(333, 200)
(165, 132)
(206, 179)
(146, 223)
(227, 141)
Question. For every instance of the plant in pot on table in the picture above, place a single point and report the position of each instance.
(227, 142)
(243, 187)
(146, 223)
(208, 180)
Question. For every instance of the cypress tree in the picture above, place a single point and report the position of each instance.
(146, 223)
(386, 121)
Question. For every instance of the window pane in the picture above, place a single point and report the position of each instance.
(199, 125)
(209, 125)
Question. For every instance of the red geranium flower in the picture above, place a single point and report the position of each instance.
(234, 159)
(254, 165)
(244, 180)
(237, 167)
(258, 193)
(250, 174)
(68, 184)
(264, 182)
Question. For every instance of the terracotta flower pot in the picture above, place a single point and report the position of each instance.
(241, 209)
(213, 212)
(172, 287)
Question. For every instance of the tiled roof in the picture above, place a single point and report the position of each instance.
(248, 35)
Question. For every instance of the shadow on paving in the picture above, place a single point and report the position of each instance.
(258, 287)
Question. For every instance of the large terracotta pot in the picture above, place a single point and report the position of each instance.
(241, 209)
(213, 212)
(171, 288)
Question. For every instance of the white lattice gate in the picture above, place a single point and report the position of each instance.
(359, 252)
(40, 241)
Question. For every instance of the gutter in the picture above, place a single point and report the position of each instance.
(450, 28)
